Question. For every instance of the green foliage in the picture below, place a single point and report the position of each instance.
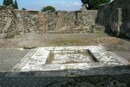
(23, 8)
(4, 2)
(48, 8)
(84, 1)
(10, 2)
(94, 4)
(15, 5)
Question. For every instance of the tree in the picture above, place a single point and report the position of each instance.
(84, 1)
(4, 2)
(11, 2)
(15, 5)
(48, 8)
(24, 9)
(8, 2)
(94, 4)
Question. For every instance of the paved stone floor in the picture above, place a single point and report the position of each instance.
(68, 58)
(84, 57)
(9, 57)
(123, 54)
(57, 58)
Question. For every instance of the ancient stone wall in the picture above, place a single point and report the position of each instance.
(58, 21)
(14, 22)
(18, 22)
(7, 22)
(26, 21)
(88, 19)
(115, 16)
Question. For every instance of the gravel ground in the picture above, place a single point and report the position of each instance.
(9, 57)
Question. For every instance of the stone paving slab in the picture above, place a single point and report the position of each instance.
(123, 54)
(9, 57)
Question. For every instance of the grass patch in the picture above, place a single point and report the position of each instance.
(30, 42)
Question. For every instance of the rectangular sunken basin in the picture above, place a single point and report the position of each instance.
(68, 58)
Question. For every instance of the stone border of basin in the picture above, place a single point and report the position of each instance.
(38, 57)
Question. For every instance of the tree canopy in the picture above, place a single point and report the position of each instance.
(7, 2)
(15, 5)
(84, 1)
(11, 2)
(94, 4)
(23, 8)
(48, 8)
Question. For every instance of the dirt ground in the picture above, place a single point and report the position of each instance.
(32, 40)
(35, 40)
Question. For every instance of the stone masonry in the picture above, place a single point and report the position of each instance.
(115, 16)
(7, 22)
(18, 22)
(69, 58)
(83, 66)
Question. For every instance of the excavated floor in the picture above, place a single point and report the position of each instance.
(88, 59)
(91, 66)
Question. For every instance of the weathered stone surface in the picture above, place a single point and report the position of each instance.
(90, 82)
(8, 22)
(70, 58)
(18, 22)
(115, 16)
(88, 19)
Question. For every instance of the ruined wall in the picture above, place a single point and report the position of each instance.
(57, 21)
(18, 22)
(26, 21)
(125, 21)
(7, 22)
(14, 22)
(68, 22)
(115, 16)
(88, 19)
